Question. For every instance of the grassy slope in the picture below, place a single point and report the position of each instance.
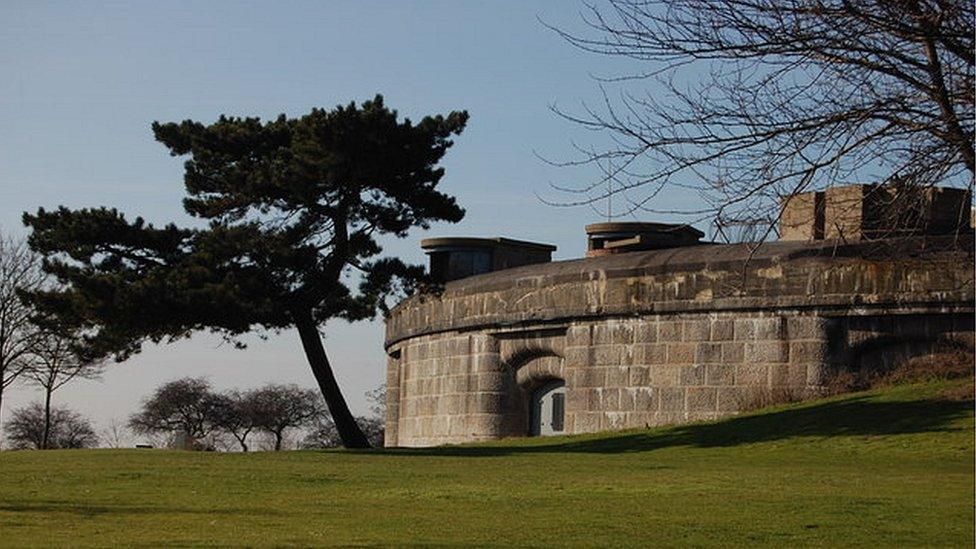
(892, 467)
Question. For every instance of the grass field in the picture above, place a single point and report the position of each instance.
(885, 468)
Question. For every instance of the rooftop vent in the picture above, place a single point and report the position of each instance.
(452, 258)
(617, 238)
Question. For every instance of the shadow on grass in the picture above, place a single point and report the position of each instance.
(89, 510)
(857, 416)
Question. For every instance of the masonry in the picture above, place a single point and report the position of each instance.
(659, 336)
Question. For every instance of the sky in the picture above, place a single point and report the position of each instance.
(82, 82)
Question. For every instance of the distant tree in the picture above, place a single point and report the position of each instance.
(236, 413)
(377, 401)
(57, 362)
(115, 434)
(35, 427)
(184, 407)
(20, 270)
(758, 100)
(294, 206)
(323, 433)
(375, 425)
(278, 408)
(375, 429)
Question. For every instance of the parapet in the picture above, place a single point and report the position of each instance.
(452, 258)
(869, 212)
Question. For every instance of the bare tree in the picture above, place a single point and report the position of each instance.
(237, 414)
(19, 271)
(34, 427)
(752, 101)
(56, 363)
(185, 407)
(323, 433)
(279, 408)
(115, 434)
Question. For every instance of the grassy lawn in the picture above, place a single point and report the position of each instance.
(884, 468)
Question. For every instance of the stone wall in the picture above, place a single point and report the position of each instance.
(662, 337)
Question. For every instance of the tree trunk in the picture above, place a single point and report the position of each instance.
(1, 411)
(349, 432)
(278, 438)
(47, 419)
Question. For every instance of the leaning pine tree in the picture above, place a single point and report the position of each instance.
(294, 208)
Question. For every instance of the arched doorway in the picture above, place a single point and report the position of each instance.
(548, 412)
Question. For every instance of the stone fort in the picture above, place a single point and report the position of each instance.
(655, 327)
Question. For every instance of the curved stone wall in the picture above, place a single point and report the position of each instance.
(649, 338)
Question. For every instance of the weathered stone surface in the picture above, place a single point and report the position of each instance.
(637, 344)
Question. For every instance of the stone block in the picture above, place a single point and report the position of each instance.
(457, 384)
(622, 334)
(579, 356)
(579, 335)
(627, 399)
(492, 381)
(440, 425)
(577, 399)
(483, 424)
(722, 330)
(610, 399)
(720, 374)
(665, 375)
(618, 377)
(639, 376)
(608, 355)
(696, 330)
(770, 328)
(668, 331)
(484, 344)
(808, 351)
(569, 425)
(601, 334)
(672, 399)
(793, 375)
(640, 419)
(730, 398)
(767, 351)
(614, 421)
(681, 353)
(587, 422)
(708, 353)
(651, 353)
(751, 374)
(459, 426)
(745, 329)
(487, 362)
(733, 352)
(645, 332)
(644, 398)
(693, 375)
(806, 327)
(447, 405)
(817, 374)
(702, 399)
(591, 377)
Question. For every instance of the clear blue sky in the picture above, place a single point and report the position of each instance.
(81, 83)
